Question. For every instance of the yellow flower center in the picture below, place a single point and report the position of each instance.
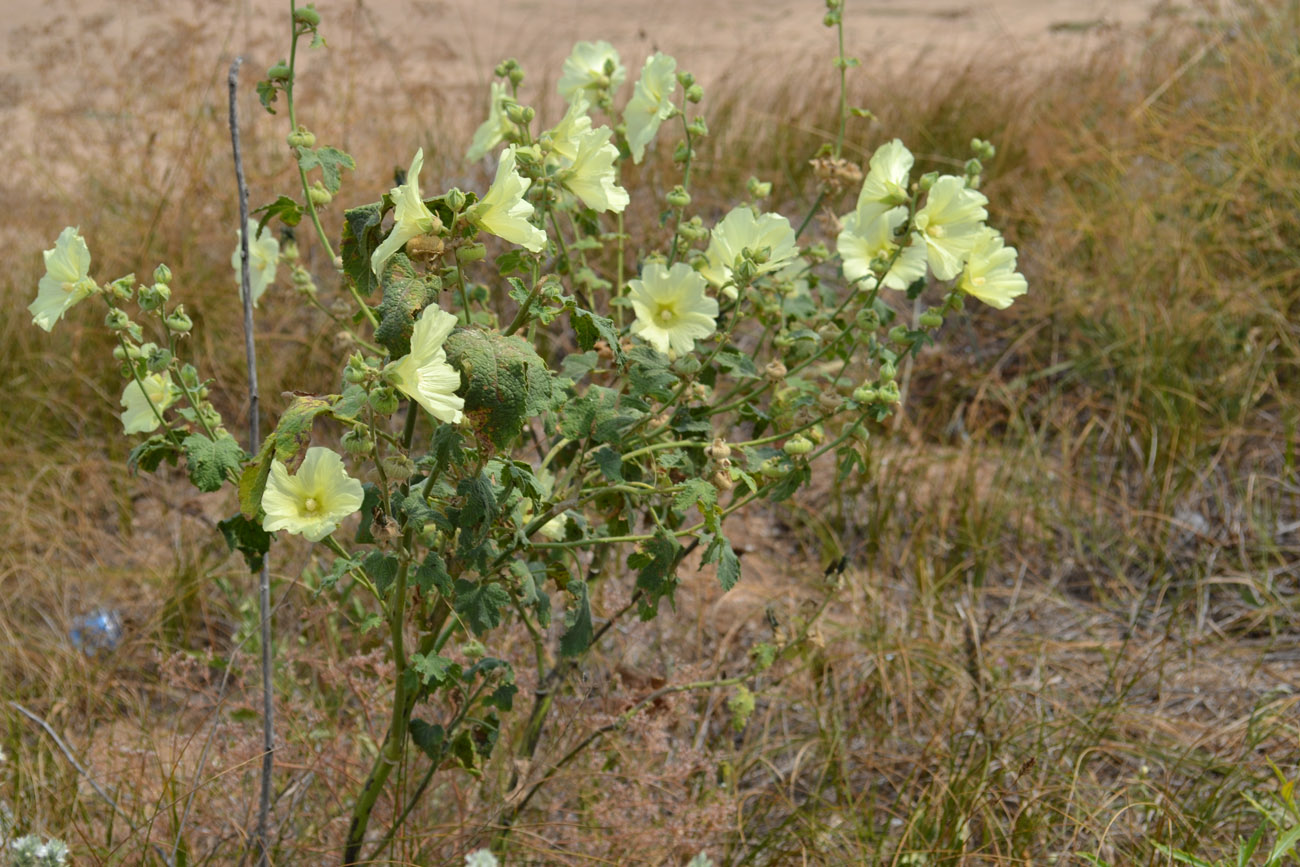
(70, 287)
(666, 315)
(977, 281)
(934, 231)
(310, 505)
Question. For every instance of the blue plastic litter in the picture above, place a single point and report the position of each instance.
(99, 630)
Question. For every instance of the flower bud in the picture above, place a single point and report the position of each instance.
(758, 189)
(162, 274)
(773, 468)
(927, 181)
(455, 199)
(473, 649)
(153, 297)
(898, 334)
(678, 197)
(816, 433)
(320, 197)
(177, 322)
(694, 94)
(697, 127)
(302, 138)
(889, 393)
(279, 72)
(719, 451)
(157, 359)
(865, 394)
(888, 372)
(470, 253)
(931, 318)
(307, 15)
(117, 320)
(685, 79)
(520, 114)
(681, 153)
(357, 442)
(383, 401)
(398, 467)
(516, 76)
(356, 372)
(797, 445)
(775, 371)
(121, 287)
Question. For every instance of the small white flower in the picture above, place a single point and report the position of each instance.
(504, 212)
(991, 274)
(411, 217)
(672, 311)
(263, 258)
(66, 281)
(584, 69)
(481, 858)
(424, 374)
(494, 130)
(951, 220)
(741, 230)
(651, 103)
(158, 393)
(869, 235)
(313, 501)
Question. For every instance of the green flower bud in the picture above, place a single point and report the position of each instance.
(320, 197)
(121, 288)
(927, 181)
(398, 467)
(694, 93)
(890, 393)
(865, 394)
(697, 127)
(162, 274)
(681, 153)
(772, 468)
(678, 197)
(931, 318)
(516, 76)
(117, 320)
(473, 649)
(817, 434)
(470, 253)
(685, 79)
(758, 189)
(898, 334)
(687, 365)
(158, 359)
(153, 297)
(279, 72)
(867, 318)
(888, 371)
(119, 353)
(177, 322)
(302, 138)
(455, 199)
(383, 401)
(307, 15)
(973, 168)
(520, 114)
(797, 445)
(357, 442)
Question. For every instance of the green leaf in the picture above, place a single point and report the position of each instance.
(576, 366)
(293, 433)
(266, 92)
(405, 292)
(582, 414)
(504, 381)
(736, 363)
(431, 668)
(649, 375)
(248, 538)
(152, 452)
(361, 236)
(432, 575)
(252, 481)
(696, 492)
(447, 448)
(381, 569)
(288, 210)
(577, 621)
(721, 554)
(480, 604)
(741, 705)
(331, 161)
(211, 463)
(588, 327)
(610, 463)
(431, 739)
(370, 505)
(657, 571)
(349, 404)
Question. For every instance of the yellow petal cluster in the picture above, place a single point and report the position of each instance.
(66, 281)
(424, 375)
(313, 501)
(672, 311)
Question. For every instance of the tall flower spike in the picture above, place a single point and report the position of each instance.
(651, 103)
(991, 274)
(584, 69)
(739, 230)
(411, 217)
(313, 501)
(869, 235)
(887, 175)
(951, 220)
(424, 375)
(672, 311)
(263, 259)
(66, 281)
(504, 212)
(158, 392)
(591, 175)
(494, 130)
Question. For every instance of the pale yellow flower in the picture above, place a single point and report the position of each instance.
(591, 175)
(953, 217)
(158, 390)
(584, 69)
(66, 281)
(263, 259)
(494, 130)
(887, 174)
(313, 501)
(424, 374)
(411, 217)
(504, 212)
(562, 140)
(991, 274)
(741, 230)
(672, 311)
(651, 103)
(869, 234)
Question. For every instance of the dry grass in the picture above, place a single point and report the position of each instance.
(1069, 625)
